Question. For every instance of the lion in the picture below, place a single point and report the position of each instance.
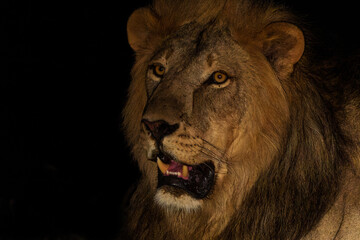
(239, 129)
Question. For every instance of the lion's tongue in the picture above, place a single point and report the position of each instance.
(175, 167)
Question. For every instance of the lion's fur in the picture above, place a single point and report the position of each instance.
(306, 145)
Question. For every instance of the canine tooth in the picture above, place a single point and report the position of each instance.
(185, 172)
(162, 166)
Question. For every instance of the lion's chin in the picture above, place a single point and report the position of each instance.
(173, 199)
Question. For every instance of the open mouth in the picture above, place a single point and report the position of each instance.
(196, 180)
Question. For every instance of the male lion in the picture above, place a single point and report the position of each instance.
(239, 130)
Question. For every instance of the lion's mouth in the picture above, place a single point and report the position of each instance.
(196, 180)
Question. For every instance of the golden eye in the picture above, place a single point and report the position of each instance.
(219, 77)
(158, 70)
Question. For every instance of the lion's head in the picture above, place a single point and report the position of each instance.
(222, 123)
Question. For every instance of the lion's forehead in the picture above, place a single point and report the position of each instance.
(199, 46)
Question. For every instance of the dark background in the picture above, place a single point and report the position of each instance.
(64, 71)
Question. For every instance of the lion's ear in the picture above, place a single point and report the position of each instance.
(283, 45)
(139, 27)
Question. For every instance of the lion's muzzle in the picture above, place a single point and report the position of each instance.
(196, 180)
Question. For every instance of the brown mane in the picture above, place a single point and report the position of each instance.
(303, 181)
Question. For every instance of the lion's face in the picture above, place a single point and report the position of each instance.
(201, 120)
(207, 110)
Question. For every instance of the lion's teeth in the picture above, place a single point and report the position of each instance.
(185, 172)
(162, 166)
(167, 173)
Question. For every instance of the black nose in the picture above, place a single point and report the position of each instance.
(159, 129)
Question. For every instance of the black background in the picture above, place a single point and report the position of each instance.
(64, 71)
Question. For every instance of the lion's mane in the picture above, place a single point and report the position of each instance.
(292, 195)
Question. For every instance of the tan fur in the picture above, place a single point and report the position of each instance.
(284, 147)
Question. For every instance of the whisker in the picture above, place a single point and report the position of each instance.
(212, 155)
(223, 158)
(213, 152)
(222, 153)
(216, 158)
(212, 145)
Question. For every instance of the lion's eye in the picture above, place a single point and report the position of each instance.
(158, 70)
(219, 77)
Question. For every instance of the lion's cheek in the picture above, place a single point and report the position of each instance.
(220, 134)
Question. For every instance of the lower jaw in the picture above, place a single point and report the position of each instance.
(175, 199)
(175, 191)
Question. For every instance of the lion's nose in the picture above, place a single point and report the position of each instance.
(159, 129)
